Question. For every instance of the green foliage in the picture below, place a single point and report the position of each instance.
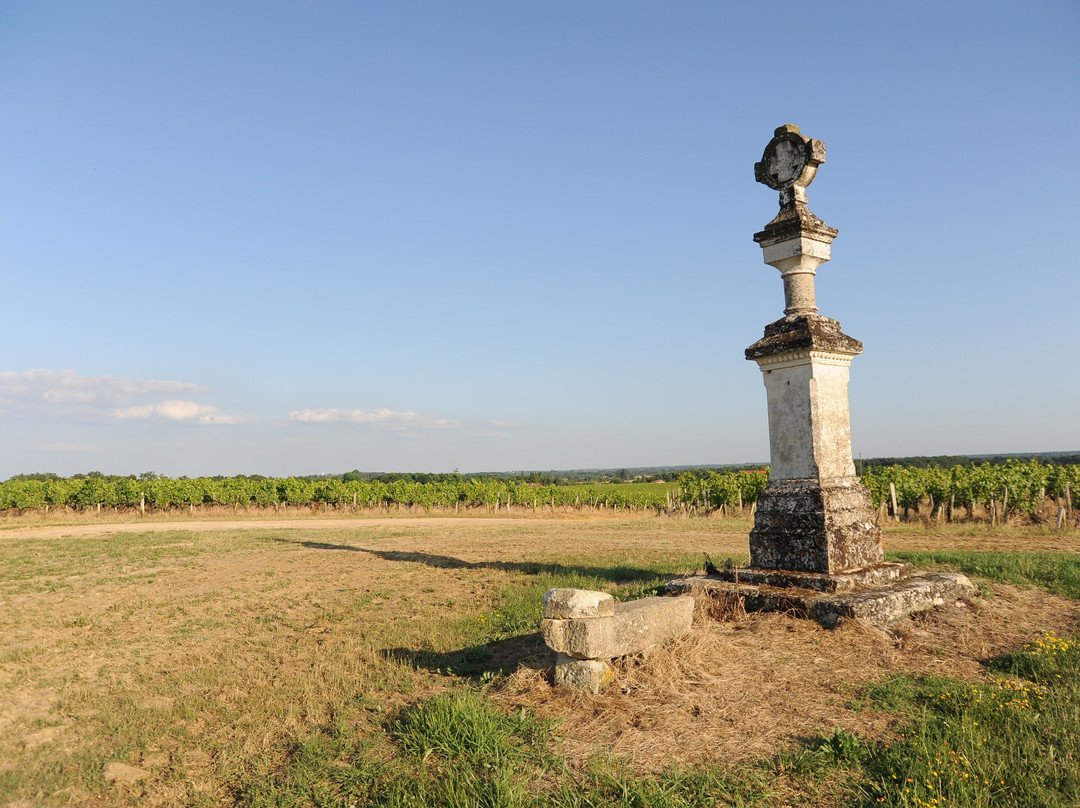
(713, 489)
(1023, 482)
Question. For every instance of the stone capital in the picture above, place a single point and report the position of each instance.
(803, 333)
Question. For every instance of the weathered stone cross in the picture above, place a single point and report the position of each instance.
(816, 516)
(814, 529)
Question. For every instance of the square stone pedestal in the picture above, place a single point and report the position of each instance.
(811, 525)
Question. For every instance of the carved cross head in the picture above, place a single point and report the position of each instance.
(789, 163)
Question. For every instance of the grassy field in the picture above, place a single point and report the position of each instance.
(396, 661)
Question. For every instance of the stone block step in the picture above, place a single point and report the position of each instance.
(634, 627)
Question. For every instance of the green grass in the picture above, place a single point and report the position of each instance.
(1058, 573)
(1011, 741)
(457, 750)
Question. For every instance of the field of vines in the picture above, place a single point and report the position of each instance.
(1013, 487)
(1010, 487)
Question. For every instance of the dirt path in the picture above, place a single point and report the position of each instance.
(204, 526)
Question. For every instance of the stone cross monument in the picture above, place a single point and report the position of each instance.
(815, 549)
(815, 516)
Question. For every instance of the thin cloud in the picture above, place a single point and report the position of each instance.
(178, 411)
(382, 419)
(501, 424)
(67, 387)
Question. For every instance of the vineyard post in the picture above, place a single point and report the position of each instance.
(1004, 504)
(892, 496)
(142, 504)
(1068, 504)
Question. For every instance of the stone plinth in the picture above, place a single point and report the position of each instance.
(809, 525)
(881, 604)
(587, 628)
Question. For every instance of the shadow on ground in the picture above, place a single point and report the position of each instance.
(502, 657)
(617, 574)
(496, 658)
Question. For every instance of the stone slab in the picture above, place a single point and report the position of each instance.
(590, 675)
(880, 606)
(820, 582)
(565, 604)
(635, 627)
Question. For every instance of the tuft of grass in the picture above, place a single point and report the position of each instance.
(453, 750)
(463, 727)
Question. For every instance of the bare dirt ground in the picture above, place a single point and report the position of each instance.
(211, 643)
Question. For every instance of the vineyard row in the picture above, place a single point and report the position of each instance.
(1013, 486)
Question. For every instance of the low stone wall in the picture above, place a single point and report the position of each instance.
(587, 629)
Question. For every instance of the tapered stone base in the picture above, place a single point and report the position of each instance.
(815, 526)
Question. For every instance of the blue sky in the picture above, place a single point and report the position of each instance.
(291, 238)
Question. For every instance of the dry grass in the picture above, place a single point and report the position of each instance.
(198, 652)
(741, 689)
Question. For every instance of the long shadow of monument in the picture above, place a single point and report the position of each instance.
(499, 657)
(618, 574)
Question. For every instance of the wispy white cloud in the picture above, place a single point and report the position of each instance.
(72, 394)
(382, 419)
(175, 410)
(495, 422)
(59, 387)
